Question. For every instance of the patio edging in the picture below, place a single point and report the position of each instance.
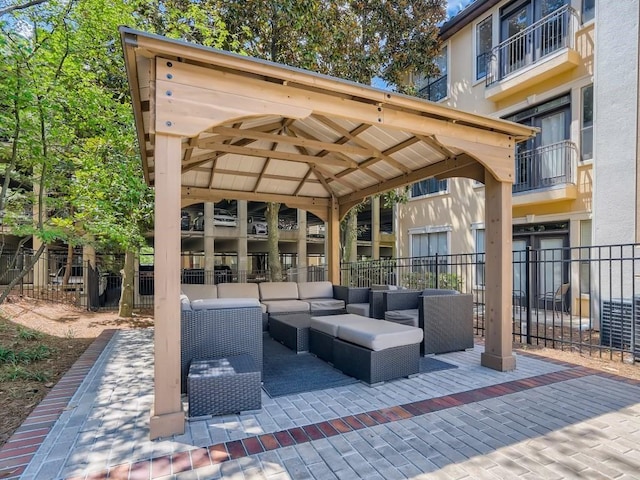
(20, 448)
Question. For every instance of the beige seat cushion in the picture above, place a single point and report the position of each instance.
(406, 317)
(284, 306)
(383, 287)
(199, 292)
(330, 324)
(380, 334)
(325, 304)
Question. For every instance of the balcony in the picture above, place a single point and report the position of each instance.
(434, 89)
(546, 174)
(541, 51)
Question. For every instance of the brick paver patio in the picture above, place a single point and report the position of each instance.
(544, 420)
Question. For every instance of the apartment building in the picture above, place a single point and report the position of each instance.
(531, 62)
(233, 234)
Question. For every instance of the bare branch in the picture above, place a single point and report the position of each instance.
(21, 6)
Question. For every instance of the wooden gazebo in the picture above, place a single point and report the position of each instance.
(213, 125)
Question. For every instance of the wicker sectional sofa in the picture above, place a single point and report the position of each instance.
(315, 298)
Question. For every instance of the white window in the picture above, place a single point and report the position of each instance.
(586, 127)
(585, 255)
(484, 36)
(429, 252)
(428, 187)
(435, 88)
(588, 10)
(429, 240)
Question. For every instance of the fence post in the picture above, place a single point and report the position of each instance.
(437, 279)
(529, 260)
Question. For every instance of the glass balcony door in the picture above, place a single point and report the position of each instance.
(515, 20)
(522, 43)
(546, 159)
(553, 131)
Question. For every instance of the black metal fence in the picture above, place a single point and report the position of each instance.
(51, 278)
(585, 299)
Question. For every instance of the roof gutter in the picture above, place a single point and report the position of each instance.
(465, 17)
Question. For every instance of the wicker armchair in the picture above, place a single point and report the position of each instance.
(220, 332)
(447, 321)
(445, 316)
(356, 299)
(365, 301)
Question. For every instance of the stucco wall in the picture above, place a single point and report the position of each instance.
(616, 121)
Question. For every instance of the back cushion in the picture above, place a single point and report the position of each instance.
(438, 291)
(238, 290)
(384, 287)
(315, 290)
(199, 292)
(278, 290)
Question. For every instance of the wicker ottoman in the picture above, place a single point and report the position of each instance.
(291, 329)
(223, 385)
(377, 351)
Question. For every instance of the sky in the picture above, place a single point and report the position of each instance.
(454, 6)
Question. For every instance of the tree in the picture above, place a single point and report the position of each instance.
(357, 40)
(71, 119)
(65, 111)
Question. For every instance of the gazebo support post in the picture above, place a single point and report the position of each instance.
(333, 242)
(498, 353)
(167, 416)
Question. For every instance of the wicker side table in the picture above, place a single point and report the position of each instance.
(291, 329)
(223, 385)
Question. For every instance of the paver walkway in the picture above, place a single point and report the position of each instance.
(544, 420)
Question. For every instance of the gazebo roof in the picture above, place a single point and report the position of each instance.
(256, 130)
(213, 125)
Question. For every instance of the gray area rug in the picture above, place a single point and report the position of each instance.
(430, 364)
(288, 373)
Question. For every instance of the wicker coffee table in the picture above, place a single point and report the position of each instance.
(291, 329)
(223, 385)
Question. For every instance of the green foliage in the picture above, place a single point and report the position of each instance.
(68, 148)
(25, 356)
(66, 113)
(18, 372)
(28, 334)
(397, 196)
(7, 355)
(422, 280)
(365, 274)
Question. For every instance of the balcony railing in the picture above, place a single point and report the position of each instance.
(435, 89)
(548, 35)
(545, 166)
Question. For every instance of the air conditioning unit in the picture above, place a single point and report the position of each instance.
(620, 324)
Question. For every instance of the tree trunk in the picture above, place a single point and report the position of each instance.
(126, 295)
(26, 269)
(67, 266)
(275, 267)
(350, 249)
